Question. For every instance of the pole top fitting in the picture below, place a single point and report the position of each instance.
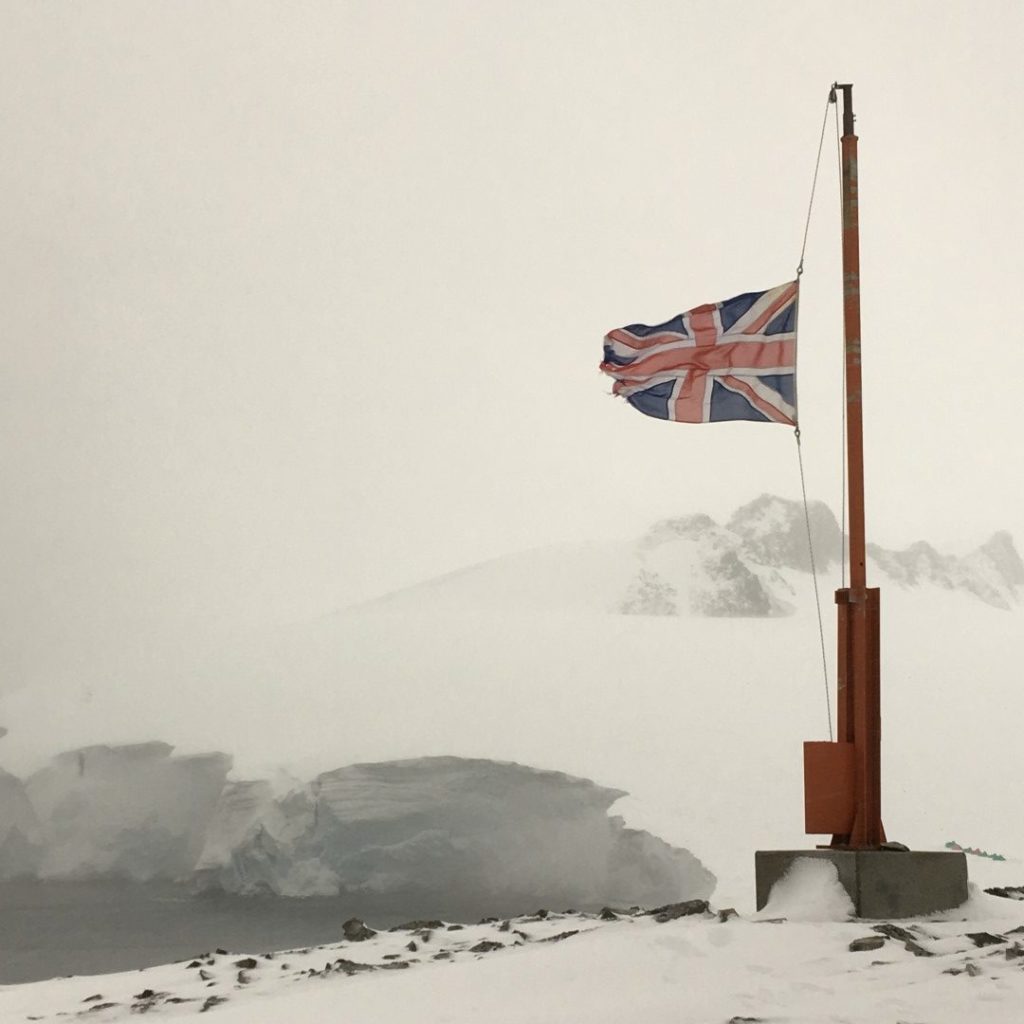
(848, 116)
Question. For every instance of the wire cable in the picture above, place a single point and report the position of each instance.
(814, 577)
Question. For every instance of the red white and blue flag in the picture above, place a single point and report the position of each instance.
(731, 360)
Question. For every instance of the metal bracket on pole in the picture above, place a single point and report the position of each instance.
(848, 116)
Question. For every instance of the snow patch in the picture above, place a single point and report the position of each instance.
(809, 891)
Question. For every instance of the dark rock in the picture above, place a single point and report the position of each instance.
(866, 943)
(486, 947)
(985, 938)
(1007, 892)
(727, 914)
(1014, 952)
(607, 914)
(918, 950)
(101, 1006)
(205, 975)
(894, 931)
(92, 999)
(248, 963)
(355, 930)
(672, 911)
(242, 978)
(505, 925)
(416, 926)
(146, 993)
(391, 956)
(561, 935)
(211, 1002)
(412, 947)
(444, 955)
(221, 952)
(973, 970)
(351, 967)
(488, 920)
(455, 927)
(395, 965)
(540, 914)
(195, 963)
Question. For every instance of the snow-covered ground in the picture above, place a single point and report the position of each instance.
(786, 964)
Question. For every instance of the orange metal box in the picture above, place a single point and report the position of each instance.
(829, 777)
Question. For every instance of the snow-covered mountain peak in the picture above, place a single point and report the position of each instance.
(774, 533)
(755, 565)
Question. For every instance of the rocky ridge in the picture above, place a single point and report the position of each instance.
(693, 565)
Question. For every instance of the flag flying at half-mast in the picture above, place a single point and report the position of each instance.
(731, 360)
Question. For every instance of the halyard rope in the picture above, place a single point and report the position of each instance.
(799, 451)
(814, 184)
(814, 577)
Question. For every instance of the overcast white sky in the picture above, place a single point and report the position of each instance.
(302, 302)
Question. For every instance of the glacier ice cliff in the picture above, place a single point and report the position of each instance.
(131, 811)
(20, 840)
(492, 831)
(427, 832)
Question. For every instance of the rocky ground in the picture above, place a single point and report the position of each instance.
(755, 961)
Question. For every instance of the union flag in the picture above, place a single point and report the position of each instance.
(731, 360)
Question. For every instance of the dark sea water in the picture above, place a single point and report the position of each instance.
(48, 929)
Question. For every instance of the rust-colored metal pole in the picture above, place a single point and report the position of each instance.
(859, 704)
(851, 325)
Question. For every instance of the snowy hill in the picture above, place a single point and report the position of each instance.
(754, 564)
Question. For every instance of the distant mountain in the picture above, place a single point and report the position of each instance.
(752, 566)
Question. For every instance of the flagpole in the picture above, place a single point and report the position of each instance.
(859, 711)
(842, 777)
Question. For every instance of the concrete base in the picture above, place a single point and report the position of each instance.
(881, 883)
